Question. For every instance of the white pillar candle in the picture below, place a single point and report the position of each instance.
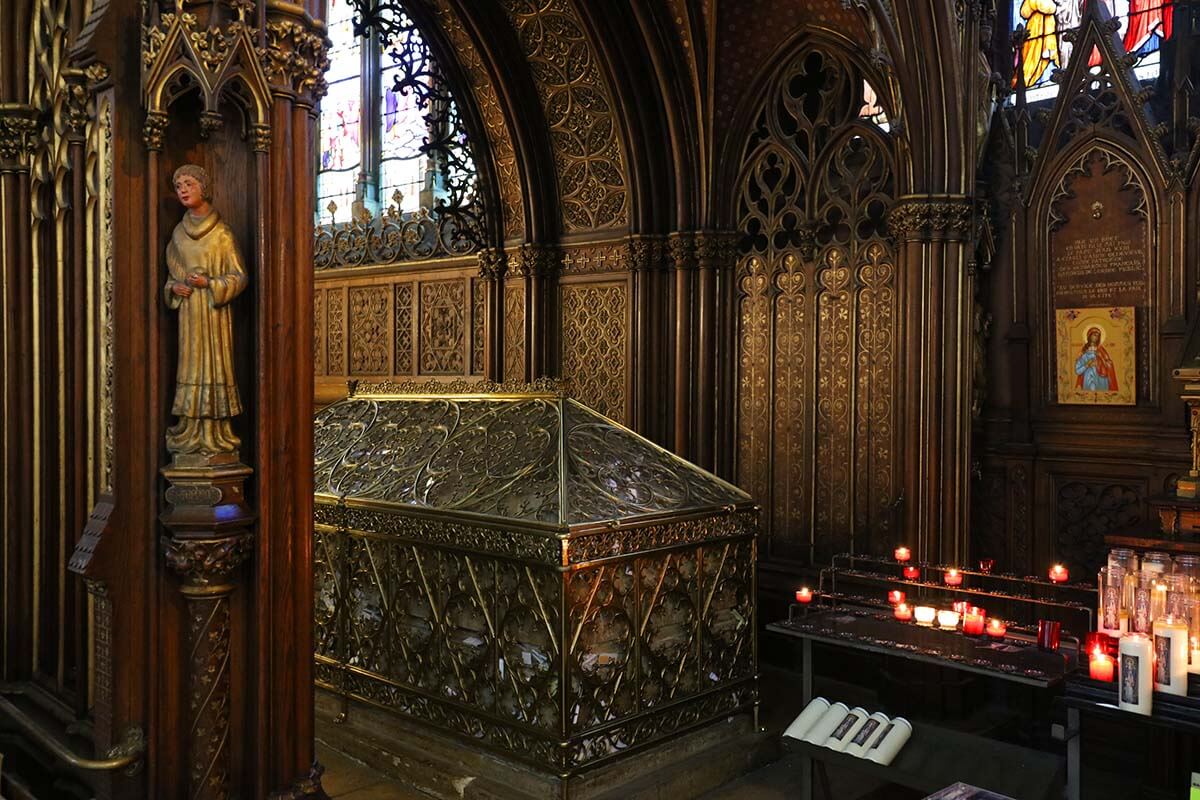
(807, 718)
(821, 729)
(847, 729)
(885, 749)
(871, 730)
(925, 615)
(1135, 690)
(1171, 656)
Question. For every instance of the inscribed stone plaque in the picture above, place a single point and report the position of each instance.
(1096, 355)
(1099, 252)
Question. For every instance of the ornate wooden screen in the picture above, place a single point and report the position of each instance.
(817, 313)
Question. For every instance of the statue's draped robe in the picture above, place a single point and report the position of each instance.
(206, 393)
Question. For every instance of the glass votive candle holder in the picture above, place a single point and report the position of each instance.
(925, 615)
(960, 606)
(952, 577)
(804, 595)
(903, 612)
(948, 619)
(911, 573)
(996, 628)
(986, 565)
(895, 597)
(1048, 634)
(1100, 666)
(1059, 574)
(902, 554)
(973, 622)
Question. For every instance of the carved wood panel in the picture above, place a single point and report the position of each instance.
(514, 330)
(1086, 509)
(404, 328)
(443, 332)
(335, 336)
(817, 314)
(370, 312)
(478, 300)
(595, 345)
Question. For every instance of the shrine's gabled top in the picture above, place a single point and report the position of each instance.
(534, 458)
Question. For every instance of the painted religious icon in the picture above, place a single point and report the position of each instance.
(205, 274)
(1096, 356)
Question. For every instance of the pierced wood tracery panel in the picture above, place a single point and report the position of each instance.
(595, 345)
(335, 335)
(817, 313)
(369, 312)
(514, 330)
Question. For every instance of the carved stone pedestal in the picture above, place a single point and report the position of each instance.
(210, 537)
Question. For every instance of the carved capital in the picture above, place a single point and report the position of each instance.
(645, 252)
(539, 260)
(295, 56)
(18, 135)
(260, 138)
(928, 217)
(682, 248)
(207, 562)
(154, 129)
(716, 249)
(492, 264)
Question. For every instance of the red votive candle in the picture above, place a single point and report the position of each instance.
(1100, 666)
(804, 595)
(912, 573)
(1097, 641)
(895, 597)
(902, 554)
(1059, 574)
(996, 628)
(973, 622)
(1048, 634)
(960, 606)
(903, 612)
(986, 565)
(952, 577)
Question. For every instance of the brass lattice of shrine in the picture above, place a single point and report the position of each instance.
(521, 571)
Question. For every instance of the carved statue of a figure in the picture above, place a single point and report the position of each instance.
(205, 275)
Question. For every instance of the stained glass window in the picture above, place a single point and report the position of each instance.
(1143, 26)
(341, 116)
(872, 110)
(383, 80)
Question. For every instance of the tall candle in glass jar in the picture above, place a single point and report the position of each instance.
(1135, 690)
(1171, 656)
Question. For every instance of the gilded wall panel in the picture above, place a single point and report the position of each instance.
(443, 330)
(370, 309)
(403, 328)
(816, 313)
(335, 337)
(478, 333)
(595, 343)
(579, 110)
(319, 302)
(514, 330)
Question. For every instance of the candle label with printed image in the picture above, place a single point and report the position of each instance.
(1129, 678)
(1112, 608)
(1162, 660)
(845, 727)
(883, 735)
(1141, 610)
(865, 733)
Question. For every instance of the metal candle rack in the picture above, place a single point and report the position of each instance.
(845, 565)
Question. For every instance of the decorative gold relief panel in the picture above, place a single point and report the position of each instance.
(579, 110)
(816, 314)
(319, 332)
(404, 328)
(514, 330)
(595, 345)
(443, 329)
(370, 309)
(335, 337)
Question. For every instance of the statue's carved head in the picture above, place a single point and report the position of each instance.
(197, 173)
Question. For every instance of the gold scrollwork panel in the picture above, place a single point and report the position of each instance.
(595, 345)
(816, 314)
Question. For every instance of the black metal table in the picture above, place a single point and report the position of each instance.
(877, 633)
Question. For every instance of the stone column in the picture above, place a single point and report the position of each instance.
(933, 234)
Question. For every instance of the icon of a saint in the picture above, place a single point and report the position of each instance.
(1094, 369)
(205, 275)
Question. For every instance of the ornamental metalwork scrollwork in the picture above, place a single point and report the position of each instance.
(816, 308)
(456, 224)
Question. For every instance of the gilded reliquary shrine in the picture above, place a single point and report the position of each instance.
(524, 573)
